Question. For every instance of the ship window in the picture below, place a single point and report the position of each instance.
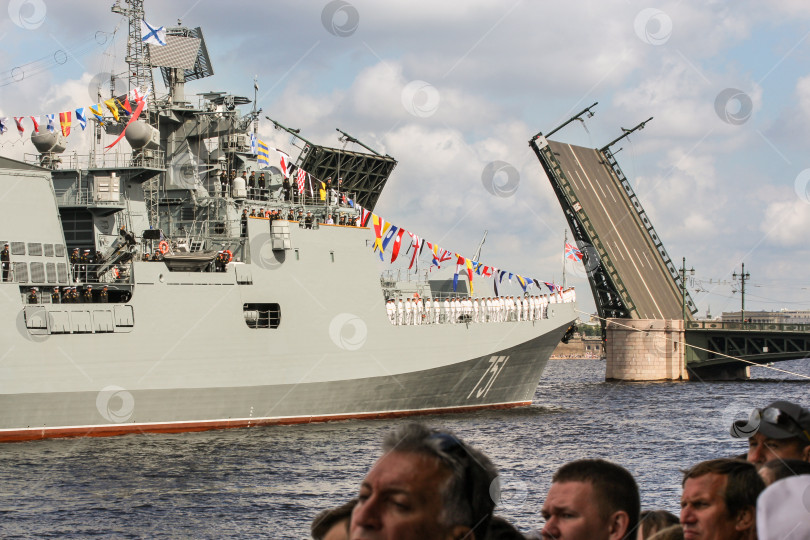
(37, 272)
(20, 272)
(78, 228)
(35, 249)
(59, 249)
(50, 271)
(47, 249)
(262, 315)
(18, 248)
(61, 271)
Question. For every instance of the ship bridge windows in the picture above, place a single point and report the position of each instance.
(262, 315)
(37, 272)
(78, 227)
(20, 272)
(35, 249)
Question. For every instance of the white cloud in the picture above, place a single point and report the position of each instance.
(787, 223)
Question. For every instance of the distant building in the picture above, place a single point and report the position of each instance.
(769, 317)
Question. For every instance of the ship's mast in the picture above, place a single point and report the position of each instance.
(140, 76)
(138, 60)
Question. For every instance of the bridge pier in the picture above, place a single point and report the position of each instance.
(645, 350)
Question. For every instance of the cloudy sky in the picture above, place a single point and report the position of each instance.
(448, 88)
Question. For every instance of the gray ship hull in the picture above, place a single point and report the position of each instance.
(182, 355)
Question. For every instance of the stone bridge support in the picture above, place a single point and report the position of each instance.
(645, 350)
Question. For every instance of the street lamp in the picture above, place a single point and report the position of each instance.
(684, 272)
(744, 276)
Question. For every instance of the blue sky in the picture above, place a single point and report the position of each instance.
(497, 72)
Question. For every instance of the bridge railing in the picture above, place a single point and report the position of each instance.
(761, 327)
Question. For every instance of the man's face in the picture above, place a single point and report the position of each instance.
(400, 498)
(704, 515)
(761, 449)
(571, 513)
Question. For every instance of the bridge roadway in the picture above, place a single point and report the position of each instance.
(632, 252)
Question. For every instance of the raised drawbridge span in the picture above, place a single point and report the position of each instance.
(630, 273)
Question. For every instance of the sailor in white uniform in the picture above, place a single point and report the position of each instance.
(391, 310)
(400, 312)
(418, 311)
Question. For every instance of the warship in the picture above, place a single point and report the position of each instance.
(148, 291)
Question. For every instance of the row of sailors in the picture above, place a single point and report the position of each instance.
(69, 295)
(483, 310)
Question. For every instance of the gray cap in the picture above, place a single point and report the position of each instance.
(779, 420)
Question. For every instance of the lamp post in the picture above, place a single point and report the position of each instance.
(744, 276)
(691, 272)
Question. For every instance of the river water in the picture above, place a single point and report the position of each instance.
(269, 482)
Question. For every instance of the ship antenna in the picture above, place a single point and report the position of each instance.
(478, 251)
(255, 112)
(138, 58)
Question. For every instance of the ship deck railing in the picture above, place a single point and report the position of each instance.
(461, 313)
(148, 159)
(86, 273)
(84, 197)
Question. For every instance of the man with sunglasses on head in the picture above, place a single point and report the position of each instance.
(779, 431)
(427, 485)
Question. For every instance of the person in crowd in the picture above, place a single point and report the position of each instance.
(221, 261)
(33, 296)
(244, 222)
(88, 294)
(777, 469)
(329, 220)
(427, 484)
(652, 521)
(333, 524)
(500, 529)
(591, 499)
(308, 221)
(103, 295)
(262, 185)
(391, 311)
(782, 510)
(223, 182)
(673, 532)
(719, 500)
(5, 258)
(56, 297)
(286, 188)
(779, 431)
(251, 185)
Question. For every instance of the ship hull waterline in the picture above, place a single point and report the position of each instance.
(505, 379)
